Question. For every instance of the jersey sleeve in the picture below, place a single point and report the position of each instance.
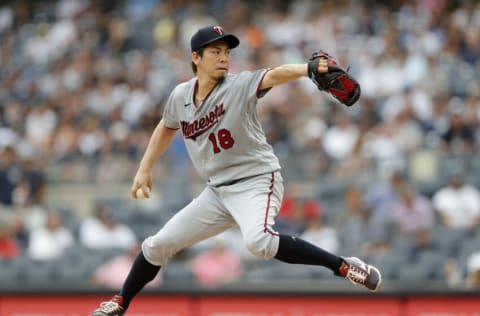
(170, 115)
(251, 81)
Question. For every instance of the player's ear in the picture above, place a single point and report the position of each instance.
(195, 61)
(196, 57)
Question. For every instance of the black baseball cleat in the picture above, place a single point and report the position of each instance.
(358, 272)
(113, 307)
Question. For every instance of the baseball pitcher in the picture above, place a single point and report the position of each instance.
(216, 113)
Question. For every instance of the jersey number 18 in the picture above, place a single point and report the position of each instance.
(223, 139)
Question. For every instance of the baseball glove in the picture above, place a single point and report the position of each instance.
(337, 81)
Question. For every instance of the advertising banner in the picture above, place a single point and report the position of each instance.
(243, 305)
(298, 306)
(441, 306)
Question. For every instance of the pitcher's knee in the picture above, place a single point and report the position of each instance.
(158, 250)
(263, 245)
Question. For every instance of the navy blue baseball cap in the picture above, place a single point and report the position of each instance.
(210, 34)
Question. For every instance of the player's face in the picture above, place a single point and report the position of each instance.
(215, 61)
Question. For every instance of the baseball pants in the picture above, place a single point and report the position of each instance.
(252, 204)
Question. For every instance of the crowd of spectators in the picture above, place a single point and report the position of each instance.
(83, 83)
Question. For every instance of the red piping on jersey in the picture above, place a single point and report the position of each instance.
(258, 95)
(266, 229)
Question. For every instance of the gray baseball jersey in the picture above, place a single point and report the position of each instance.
(225, 142)
(223, 136)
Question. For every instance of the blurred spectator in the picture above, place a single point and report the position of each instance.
(381, 194)
(291, 217)
(359, 229)
(40, 123)
(10, 174)
(102, 230)
(114, 271)
(458, 203)
(355, 165)
(472, 106)
(384, 149)
(217, 265)
(409, 133)
(65, 144)
(471, 49)
(459, 137)
(340, 139)
(473, 271)
(92, 138)
(9, 248)
(19, 230)
(454, 276)
(51, 241)
(21, 181)
(34, 179)
(411, 100)
(138, 103)
(412, 211)
(422, 241)
(317, 231)
(103, 99)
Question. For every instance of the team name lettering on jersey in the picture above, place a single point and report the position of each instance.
(191, 130)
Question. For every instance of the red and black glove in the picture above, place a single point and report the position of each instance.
(337, 81)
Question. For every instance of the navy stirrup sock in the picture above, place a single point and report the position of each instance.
(292, 249)
(140, 274)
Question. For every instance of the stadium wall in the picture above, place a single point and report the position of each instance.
(247, 305)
